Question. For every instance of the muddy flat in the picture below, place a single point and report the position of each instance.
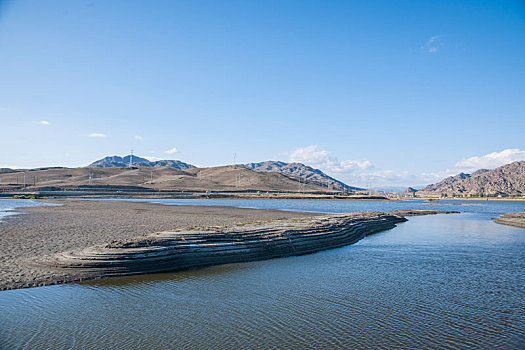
(74, 224)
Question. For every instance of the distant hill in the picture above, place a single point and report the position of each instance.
(117, 161)
(506, 180)
(302, 171)
(409, 190)
(388, 188)
(160, 178)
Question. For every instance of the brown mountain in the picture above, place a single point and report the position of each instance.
(508, 179)
(165, 178)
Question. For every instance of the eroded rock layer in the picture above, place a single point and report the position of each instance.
(195, 247)
(203, 246)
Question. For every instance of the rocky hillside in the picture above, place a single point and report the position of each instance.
(303, 172)
(505, 180)
(117, 161)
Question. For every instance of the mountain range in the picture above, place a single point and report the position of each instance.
(300, 172)
(262, 176)
(508, 179)
(304, 172)
(115, 173)
(120, 162)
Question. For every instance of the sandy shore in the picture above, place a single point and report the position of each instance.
(512, 219)
(45, 231)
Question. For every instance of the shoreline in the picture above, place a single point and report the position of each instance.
(198, 247)
(190, 195)
(512, 219)
(47, 230)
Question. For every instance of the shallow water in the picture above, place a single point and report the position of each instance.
(445, 281)
(487, 208)
(7, 205)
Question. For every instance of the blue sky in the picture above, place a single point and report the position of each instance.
(372, 92)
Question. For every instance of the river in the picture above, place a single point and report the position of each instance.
(444, 281)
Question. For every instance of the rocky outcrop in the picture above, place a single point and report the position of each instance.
(512, 219)
(203, 246)
(121, 162)
(409, 190)
(505, 180)
(303, 172)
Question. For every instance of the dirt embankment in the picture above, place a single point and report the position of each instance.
(512, 219)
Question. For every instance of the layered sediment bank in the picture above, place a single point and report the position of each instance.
(196, 247)
(77, 224)
(83, 240)
(512, 219)
(202, 246)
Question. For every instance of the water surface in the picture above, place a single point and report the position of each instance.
(445, 281)
(7, 205)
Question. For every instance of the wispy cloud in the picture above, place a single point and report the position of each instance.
(138, 137)
(172, 151)
(363, 173)
(312, 155)
(43, 122)
(380, 177)
(97, 135)
(434, 44)
(492, 160)
(153, 159)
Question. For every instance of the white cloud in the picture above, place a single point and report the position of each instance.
(312, 155)
(469, 165)
(172, 151)
(96, 134)
(492, 160)
(362, 173)
(434, 44)
(43, 122)
(138, 137)
(10, 166)
(153, 159)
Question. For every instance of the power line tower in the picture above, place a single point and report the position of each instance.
(131, 159)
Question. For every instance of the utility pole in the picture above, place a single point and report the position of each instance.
(234, 157)
(24, 180)
(131, 159)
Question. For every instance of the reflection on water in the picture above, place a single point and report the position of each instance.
(444, 281)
